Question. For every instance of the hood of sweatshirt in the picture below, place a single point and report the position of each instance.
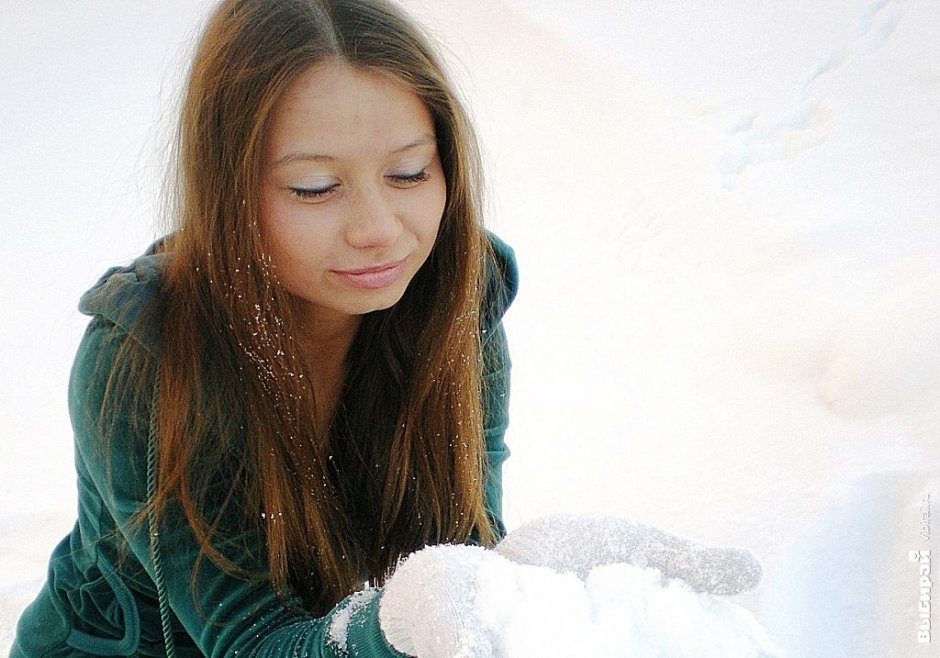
(123, 292)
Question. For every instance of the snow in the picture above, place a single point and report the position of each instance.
(339, 623)
(464, 601)
(622, 611)
(636, 613)
(726, 219)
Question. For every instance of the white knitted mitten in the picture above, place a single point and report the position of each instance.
(579, 543)
(427, 606)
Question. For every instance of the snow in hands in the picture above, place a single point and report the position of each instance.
(467, 602)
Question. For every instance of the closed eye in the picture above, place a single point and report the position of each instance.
(410, 180)
(313, 193)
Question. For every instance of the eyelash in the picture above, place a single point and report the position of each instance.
(409, 179)
(304, 193)
(419, 177)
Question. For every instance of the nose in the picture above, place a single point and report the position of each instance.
(373, 221)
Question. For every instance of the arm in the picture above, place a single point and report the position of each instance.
(501, 288)
(225, 615)
(495, 420)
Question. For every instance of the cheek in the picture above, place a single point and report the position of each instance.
(429, 210)
(290, 239)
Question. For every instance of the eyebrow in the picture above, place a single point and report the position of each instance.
(316, 157)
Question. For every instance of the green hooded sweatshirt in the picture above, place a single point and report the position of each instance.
(102, 599)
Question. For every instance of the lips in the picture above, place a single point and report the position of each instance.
(374, 276)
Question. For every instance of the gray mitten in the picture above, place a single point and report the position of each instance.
(579, 543)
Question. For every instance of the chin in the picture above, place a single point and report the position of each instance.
(380, 303)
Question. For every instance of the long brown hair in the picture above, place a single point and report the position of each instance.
(402, 463)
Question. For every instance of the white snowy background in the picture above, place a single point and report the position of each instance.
(727, 219)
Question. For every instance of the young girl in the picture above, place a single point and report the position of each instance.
(307, 380)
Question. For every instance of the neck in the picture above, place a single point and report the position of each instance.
(330, 335)
(325, 343)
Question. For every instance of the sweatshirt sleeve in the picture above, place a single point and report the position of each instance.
(223, 614)
(502, 284)
(495, 422)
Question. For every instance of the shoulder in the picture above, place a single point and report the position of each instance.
(122, 294)
(502, 280)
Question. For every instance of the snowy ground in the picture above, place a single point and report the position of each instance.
(727, 217)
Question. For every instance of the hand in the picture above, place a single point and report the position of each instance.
(580, 543)
(427, 605)
(469, 602)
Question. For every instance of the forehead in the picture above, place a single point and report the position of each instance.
(342, 111)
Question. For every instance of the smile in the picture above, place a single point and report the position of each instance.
(376, 276)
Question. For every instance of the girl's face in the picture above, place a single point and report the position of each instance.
(353, 190)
